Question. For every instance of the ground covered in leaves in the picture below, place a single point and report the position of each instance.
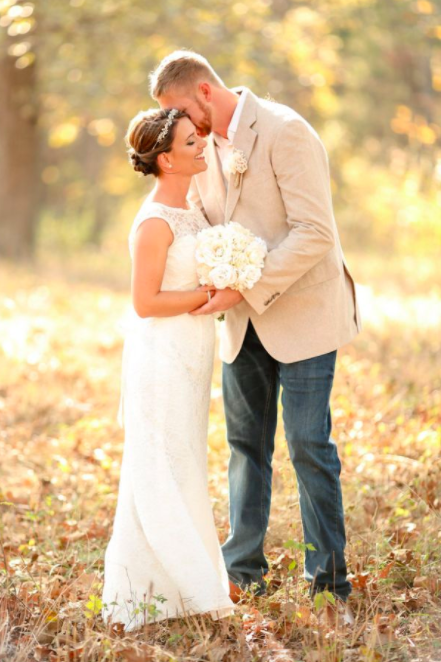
(60, 450)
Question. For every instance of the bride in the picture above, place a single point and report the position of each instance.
(164, 558)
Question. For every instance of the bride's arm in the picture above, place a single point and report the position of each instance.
(152, 241)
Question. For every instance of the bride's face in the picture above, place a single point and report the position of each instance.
(186, 156)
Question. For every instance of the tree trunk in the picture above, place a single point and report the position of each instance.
(19, 177)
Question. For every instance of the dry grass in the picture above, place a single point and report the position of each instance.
(60, 351)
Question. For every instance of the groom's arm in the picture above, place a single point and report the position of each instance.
(301, 167)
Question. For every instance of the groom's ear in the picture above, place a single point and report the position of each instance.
(205, 90)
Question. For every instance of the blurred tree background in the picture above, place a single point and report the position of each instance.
(365, 73)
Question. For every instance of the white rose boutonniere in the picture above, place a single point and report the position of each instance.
(237, 164)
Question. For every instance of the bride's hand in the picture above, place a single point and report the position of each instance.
(221, 301)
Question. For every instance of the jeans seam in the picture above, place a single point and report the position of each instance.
(336, 478)
(262, 445)
(335, 481)
(335, 522)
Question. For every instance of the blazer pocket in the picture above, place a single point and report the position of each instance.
(328, 268)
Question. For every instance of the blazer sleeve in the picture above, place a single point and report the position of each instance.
(300, 165)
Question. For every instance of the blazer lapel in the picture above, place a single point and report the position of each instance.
(211, 185)
(218, 180)
(243, 140)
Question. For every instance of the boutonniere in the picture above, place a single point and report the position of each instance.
(237, 165)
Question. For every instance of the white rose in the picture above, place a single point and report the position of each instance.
(258, 243)
(213, 252)
(239, 231)
(255, 257)
(223, 276)
(203, 271)
(239, 260)
(248, 277)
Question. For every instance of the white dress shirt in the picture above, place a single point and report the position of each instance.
(224, 146)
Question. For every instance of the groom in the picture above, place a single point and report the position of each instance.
(286, 330)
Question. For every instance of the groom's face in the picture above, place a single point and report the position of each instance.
(194, 105)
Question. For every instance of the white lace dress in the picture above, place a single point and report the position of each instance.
(164, 558)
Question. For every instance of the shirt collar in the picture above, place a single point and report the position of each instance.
(232, 129)
(234, 123)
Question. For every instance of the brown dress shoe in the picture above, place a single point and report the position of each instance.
(236, 594)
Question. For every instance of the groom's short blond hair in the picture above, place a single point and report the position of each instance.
(181, 70)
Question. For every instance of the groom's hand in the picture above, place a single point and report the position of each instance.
(221, 301)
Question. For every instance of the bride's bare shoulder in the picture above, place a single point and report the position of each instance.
(154, 226)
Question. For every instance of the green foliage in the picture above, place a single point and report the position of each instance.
(93, 606)
(300, 546)
(322, 598)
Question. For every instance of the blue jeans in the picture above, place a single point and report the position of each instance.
(250, 389)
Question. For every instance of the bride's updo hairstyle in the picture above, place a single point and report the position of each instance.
(150, 133)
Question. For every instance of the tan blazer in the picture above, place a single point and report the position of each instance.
(305, 303)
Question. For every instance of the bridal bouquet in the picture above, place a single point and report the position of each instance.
(229, 256)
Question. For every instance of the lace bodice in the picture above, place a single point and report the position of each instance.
(181, 267)
(182, 222)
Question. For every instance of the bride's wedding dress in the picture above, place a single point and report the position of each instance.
(164, 558)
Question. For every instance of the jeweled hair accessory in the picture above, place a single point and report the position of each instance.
(166, 129)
